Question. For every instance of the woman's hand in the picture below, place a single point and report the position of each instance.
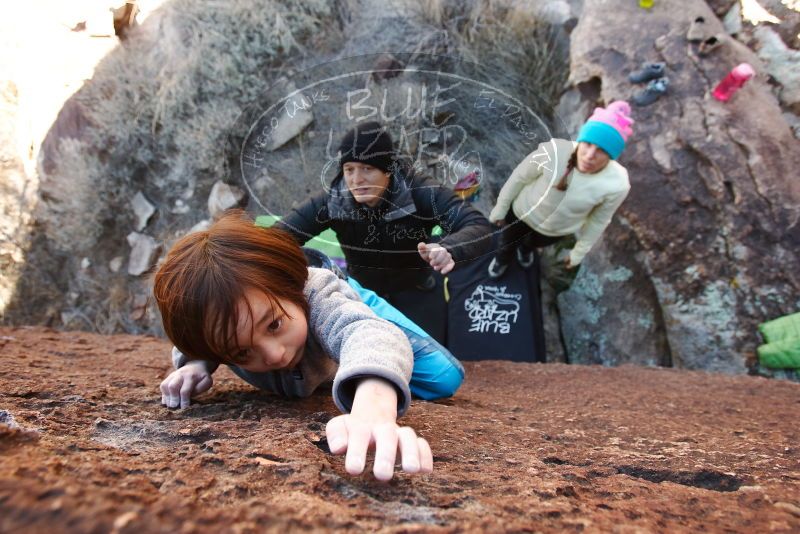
(372, 423)
(438, 257)
(498, 217)
(181, 384)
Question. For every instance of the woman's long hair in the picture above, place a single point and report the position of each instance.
(573, 162)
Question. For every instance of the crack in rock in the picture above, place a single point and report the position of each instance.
(704, 478)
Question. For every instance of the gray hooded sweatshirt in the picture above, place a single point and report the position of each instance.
(346, 342)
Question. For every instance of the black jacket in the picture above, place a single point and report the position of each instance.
(380, 243)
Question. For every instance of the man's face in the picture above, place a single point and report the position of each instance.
(366, 183)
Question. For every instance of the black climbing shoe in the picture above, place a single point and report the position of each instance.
(649, 71)
(651, 92)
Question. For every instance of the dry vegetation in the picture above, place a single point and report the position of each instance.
(158, 110)
(506, 39)
(162, 103)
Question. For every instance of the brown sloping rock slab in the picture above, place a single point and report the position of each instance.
(523, 447)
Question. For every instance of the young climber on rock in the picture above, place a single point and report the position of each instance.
(564, 188)
(245, 296)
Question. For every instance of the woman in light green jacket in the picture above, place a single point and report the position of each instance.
(564, 188)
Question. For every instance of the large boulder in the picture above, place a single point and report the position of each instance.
(706, 245)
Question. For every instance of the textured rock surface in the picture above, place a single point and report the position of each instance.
(710, 229)
(143, 253)
(633, 327)
(782, 63)
(86, 447)
(222, 197)
(142, 209)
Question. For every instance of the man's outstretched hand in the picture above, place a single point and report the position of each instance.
(437, 256)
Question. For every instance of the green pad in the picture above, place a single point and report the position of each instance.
(326, 242)
(783, 354)
(785, 327)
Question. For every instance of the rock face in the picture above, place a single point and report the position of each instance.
(783, 64)
(632, 327)
(85, 446)
(706, 245)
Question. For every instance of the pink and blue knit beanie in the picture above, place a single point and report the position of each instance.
(608, 128)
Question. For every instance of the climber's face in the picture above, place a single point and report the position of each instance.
(268, 338)
(591, 158)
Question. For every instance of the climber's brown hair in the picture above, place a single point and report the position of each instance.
(571, 164)
(206, 273)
